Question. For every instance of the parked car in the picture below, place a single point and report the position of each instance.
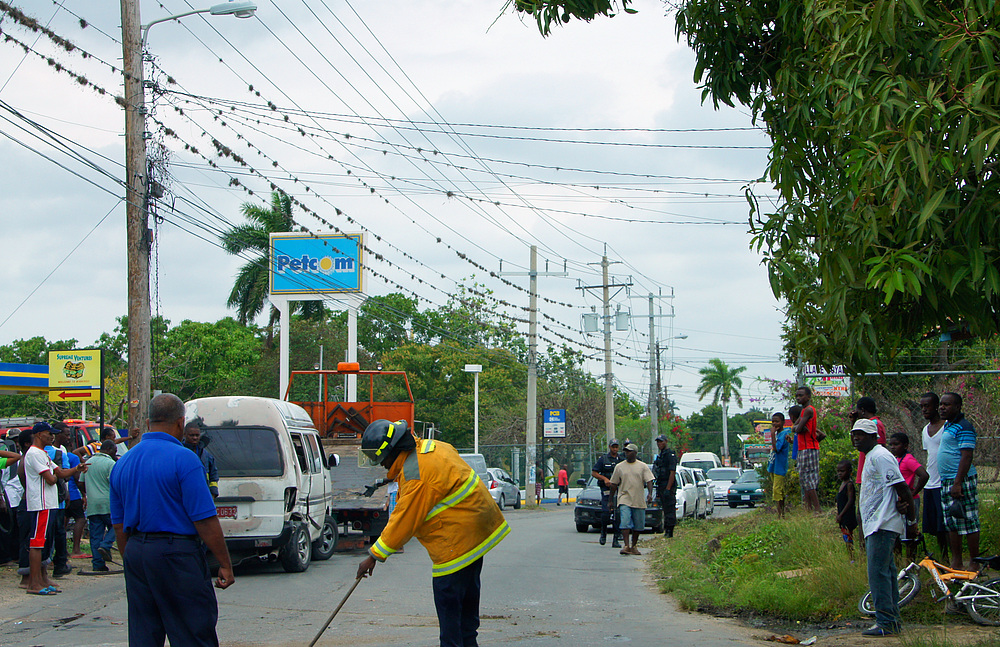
(687, 493)
(723, 478)
(587, 513)
(706, 493)
(747, 490)
(503, 487)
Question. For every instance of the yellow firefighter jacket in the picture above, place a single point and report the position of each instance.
(445, 505)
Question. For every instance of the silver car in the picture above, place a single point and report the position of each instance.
(503, 488)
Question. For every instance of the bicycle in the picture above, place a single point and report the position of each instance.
(981, 599)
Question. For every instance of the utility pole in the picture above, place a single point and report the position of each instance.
(609, 383)
(136, 219)
(531, 413)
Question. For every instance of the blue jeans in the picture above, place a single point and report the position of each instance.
(101, 536)
(882, 579)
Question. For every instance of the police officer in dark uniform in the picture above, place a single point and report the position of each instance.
(665, 471)
(603, 469)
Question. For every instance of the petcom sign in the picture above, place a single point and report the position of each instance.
(315, 264)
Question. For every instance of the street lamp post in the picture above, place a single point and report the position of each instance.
(475, 369)
(136, 195)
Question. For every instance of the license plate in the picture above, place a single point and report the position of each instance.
(225, 511)
(745, 497)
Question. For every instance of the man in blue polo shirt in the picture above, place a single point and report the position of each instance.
(160, 506)
(958, 479)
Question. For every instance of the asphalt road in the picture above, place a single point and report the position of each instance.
(545, 584)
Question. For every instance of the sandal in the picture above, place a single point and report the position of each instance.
(48, 590)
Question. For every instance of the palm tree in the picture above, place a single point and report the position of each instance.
(724, 384)
(252, 239)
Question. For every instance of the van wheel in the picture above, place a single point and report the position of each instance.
(324, 545)
(296, 553)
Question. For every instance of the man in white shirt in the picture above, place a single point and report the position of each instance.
(41, 495)
(886, 508)
(931, 436)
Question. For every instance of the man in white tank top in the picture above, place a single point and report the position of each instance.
(931, 435)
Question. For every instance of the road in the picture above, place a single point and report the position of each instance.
(545, 584)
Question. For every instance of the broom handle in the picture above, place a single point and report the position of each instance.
(332, 615)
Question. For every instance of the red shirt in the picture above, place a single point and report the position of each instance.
(563, 478)
(807, 438)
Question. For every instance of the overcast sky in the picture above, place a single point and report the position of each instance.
(394, 75)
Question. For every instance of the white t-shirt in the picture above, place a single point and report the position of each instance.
(932, 444)
(878, 496)
(631, 479)
(39, 494)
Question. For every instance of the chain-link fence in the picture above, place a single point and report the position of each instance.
(578, 458)
(897, 397)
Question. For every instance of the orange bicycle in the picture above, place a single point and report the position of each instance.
(978, 596)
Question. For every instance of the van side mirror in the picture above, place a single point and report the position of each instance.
(333, 460)
(581, 482)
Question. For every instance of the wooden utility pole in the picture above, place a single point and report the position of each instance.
(136, 219)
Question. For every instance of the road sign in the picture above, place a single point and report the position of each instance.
(74, 369)
(74, 395)
(553, 423)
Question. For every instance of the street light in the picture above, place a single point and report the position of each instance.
(475, 369)
(136, 195)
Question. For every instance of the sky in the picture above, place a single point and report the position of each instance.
(449, 131)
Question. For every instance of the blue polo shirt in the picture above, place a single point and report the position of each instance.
(159, 486)
(955, 436)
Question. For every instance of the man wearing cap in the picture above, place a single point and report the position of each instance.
(603, 469)
(628, 481)
(665, 470)
(958, 479)
(886, 508)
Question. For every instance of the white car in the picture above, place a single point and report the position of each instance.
(723, 478)
(687, 493)
(706, 493)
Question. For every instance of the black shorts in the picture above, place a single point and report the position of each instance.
(74, 510)
(933, 513)
(563, 489)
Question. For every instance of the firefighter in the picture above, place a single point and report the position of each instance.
(445, 505)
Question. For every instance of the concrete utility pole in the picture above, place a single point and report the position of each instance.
(531, 413)
(654, 365)
(136, 220)
(609, 377)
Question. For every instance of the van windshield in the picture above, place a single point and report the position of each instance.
(699, 465)
(245, 451)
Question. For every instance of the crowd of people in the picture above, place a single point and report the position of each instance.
(882, 496)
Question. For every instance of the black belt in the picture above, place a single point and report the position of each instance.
(163, 535)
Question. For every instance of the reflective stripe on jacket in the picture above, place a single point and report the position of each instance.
(445, 505)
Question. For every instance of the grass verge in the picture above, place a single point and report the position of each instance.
(796, 569)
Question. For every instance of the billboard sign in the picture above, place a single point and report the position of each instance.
(315, 263)
(832, 383)
(75, 369)
(553, 423)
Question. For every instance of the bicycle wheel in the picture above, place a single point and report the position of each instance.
(984, 607)
(909, 586)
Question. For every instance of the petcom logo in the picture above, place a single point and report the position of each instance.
(306, 264)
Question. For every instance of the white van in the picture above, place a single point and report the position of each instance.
(700, 460)
(274, 480)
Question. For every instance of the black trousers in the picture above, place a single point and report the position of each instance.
(456, 598)
(609, 513)
(169, 592)
(668, 502)
(60, 553)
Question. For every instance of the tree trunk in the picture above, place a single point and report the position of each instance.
(725, 432)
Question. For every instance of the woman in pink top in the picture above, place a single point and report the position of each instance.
(914, 474)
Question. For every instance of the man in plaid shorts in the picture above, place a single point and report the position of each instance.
(807, 459)
(958, 479)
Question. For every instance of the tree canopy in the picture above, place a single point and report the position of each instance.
(884, 127)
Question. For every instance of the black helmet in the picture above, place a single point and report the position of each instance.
(383, 440)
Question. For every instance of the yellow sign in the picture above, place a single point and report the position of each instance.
(74, 369)
(73, 395)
